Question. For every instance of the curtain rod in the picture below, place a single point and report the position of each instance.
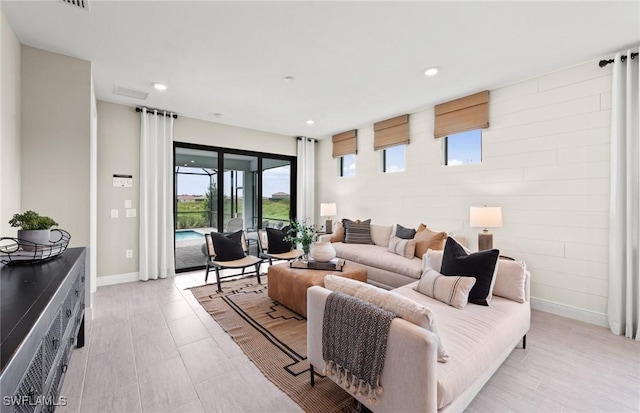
(160, 111)
(605, 62)
(308, 139)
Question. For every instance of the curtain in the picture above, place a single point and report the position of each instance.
(306, 180)
(156, 195)
(624, 266)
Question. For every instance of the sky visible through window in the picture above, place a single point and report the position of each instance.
(394, 159)
(274, 180)
(464, 148)
(348, 165)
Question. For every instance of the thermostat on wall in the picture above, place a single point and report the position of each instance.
(123, 181)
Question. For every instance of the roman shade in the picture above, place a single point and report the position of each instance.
(345, 143)
(461, 115)
(391, 132)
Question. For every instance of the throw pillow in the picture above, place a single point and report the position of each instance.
(403, 247)
(338, 232)
(403, 307)
(275, 240)
(450, 290)
(480, 265)
(511, 280)
(405, 233)
(357, 232)
(427, 239)
(228, 247)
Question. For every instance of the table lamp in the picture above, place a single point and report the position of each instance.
(328, 210)
(485, 217)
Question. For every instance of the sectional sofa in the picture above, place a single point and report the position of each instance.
(476, 338)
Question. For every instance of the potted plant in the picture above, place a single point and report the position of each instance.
(303, 234)
(34, 228)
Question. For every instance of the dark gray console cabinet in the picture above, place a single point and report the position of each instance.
(42, 318)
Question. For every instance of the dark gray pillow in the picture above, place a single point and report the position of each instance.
(357, 232)
(405, 233)
(228, 247)
(480, 265)
(275, 240)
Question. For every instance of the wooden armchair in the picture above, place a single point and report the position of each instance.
(263, 248)
(217, 262)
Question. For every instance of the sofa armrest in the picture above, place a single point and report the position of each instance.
(409, 376)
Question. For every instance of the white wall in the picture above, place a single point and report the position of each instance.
(545, 161)
(119, 153)
(56, 106)
(10, 138)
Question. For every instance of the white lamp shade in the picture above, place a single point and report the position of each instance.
(327, 210)
(485, 217)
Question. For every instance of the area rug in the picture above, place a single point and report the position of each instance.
(275, 339)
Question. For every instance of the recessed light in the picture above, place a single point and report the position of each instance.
(186, 164)
(432, 71)
(310, 122)
(192, 161)
(159, 86)
(289, 79)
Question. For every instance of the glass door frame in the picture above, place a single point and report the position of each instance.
(220, 184)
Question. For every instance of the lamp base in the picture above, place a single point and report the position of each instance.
(485, 241)
(328, 226)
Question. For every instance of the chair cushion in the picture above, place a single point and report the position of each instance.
(275, 240)
(228, 247)
(480, 265)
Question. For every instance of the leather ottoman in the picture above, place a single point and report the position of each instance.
(288, 286)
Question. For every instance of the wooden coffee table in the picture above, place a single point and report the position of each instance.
(288, 286)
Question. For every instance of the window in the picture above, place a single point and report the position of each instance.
(393, 159)
(347, 165)
(463, 148)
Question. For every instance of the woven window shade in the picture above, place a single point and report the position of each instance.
(391, 132)
(461, 115)
(345, 143)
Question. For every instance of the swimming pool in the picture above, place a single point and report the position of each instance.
(188, 235)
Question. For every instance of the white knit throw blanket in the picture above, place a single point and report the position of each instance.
(354, 343)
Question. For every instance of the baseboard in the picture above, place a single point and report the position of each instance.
(117, 279)
(568, 311)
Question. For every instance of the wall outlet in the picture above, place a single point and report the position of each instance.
(131, 213)
(129, 253)
(114, 213)
(127, 203)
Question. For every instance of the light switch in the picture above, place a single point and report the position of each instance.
(127, 203)
(131, 213)
(114, 213)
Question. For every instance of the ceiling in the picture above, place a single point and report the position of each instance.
(355, 63)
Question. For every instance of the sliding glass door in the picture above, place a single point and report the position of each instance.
(225, 190)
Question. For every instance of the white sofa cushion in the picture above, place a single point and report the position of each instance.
(409, 310)
(380, 234)
(379, 257)
(475, 337)
(452, 290)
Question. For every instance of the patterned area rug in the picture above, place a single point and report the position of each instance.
(275, 339)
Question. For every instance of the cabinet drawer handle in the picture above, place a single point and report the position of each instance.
(68, 313)
(54, 342)
(64, 368)
(76, 292)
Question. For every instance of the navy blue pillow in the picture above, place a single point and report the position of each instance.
(228, 247)
(405, 233)
(276, 242)
(480, 265)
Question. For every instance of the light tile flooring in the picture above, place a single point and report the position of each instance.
(152, 348)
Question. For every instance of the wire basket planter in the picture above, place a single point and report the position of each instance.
(15, 251)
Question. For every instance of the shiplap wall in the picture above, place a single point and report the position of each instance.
(545, 162)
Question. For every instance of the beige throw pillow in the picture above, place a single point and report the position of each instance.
(427, 239)
(338, 232)
(403, 307)
(403, 247)
(510, 280)
(452, 290)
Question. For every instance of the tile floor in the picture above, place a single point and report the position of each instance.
(152, 348)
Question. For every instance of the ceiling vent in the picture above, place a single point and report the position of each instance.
(131, 93)
(80, 4)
